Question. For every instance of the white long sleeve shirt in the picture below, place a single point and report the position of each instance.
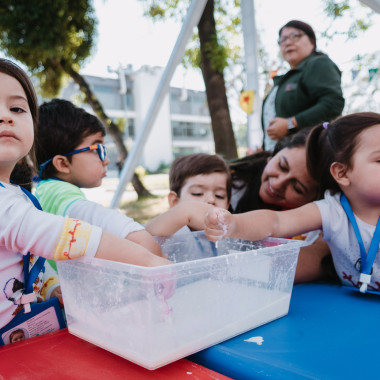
(23, 229)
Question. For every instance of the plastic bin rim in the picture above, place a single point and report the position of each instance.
(294, 244)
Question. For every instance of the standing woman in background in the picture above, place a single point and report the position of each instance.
(308, 94)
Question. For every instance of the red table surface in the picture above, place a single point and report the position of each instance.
(61, 355)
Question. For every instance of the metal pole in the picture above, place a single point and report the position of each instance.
(194, 14)
(252, 74)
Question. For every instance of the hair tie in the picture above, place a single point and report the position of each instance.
(325, 124)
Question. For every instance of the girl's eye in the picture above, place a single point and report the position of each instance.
(220, 196)
(196, 194)
(17, 109)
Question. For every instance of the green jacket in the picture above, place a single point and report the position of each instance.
(311, 92)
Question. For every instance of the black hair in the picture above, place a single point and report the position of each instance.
(23, 173)
(246, 172)
(335, 142)
(191, 165)
(306, 28)
(61, 128)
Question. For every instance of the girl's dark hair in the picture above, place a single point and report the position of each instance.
(246, 172)
(23, 174)
(10, 68)
(335, 142)
(306, 28)
(61, 129)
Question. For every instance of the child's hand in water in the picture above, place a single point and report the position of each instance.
(165, 285)
(157, 261)
(219, 224)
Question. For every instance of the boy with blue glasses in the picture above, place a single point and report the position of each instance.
(100, 148)
(71, 155)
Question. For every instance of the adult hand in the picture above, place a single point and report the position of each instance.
(278, 128)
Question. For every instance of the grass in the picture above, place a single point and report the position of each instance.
(153, 182)
(145, 209)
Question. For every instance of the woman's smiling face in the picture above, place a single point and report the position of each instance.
(285, 181)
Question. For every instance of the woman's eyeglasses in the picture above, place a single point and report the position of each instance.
(292, 37)
(100, 148)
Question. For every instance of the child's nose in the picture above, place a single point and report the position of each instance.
(210, 199)
(106, 161)
(6, 119)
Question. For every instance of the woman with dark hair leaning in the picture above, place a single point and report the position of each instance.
(274, 180)
(280, 181)
(308, 94)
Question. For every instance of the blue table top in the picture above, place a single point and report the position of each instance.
(331, 332)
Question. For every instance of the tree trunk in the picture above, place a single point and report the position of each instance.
(224, 138)
(110, 126)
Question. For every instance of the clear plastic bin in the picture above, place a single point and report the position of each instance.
(220, 292)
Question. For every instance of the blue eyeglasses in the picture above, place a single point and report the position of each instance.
(102, 152)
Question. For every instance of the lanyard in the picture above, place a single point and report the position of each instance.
(366, 260)
(29, 277)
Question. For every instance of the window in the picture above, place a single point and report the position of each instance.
(194, 103)
(194, 131)
(130, 130)
(108, 96)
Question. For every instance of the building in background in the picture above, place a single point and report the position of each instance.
(182, 126)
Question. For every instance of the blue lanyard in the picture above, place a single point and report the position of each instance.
(366, 260)
(39, 264)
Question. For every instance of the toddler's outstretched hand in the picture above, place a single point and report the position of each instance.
(219, 224)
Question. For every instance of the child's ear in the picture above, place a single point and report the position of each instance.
(173, 198)
(339, 173)
(61, 164)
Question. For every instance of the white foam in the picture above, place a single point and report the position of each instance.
(141, 333)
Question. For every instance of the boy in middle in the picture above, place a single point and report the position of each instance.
(197, 182)
(71, 155)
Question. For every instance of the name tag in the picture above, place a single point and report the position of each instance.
(291, 87)
(43, 318)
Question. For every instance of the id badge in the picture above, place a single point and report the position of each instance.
(43, 318)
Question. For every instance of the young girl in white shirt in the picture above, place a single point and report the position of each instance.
(344, 158)
(24, 228)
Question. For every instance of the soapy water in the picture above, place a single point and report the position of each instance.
(255, 339)
(220, 215)
(222, 222)
(196, 318)
(165, 309)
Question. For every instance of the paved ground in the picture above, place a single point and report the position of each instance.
(105, 193)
